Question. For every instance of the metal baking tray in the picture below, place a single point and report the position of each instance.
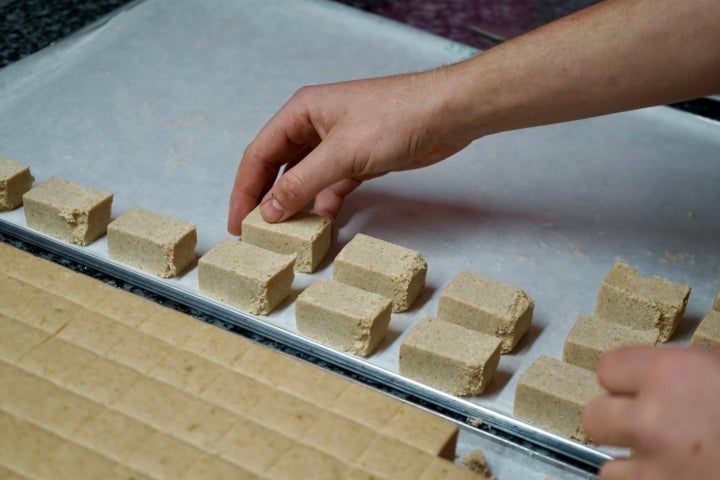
(157, 102)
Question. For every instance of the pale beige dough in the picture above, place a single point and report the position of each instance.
(487, 305)
(638, 302)
(152, 242)
(423, 430)
(343, 317)
(375, 265)
(15, 180)
(449, 357)
(552, 394)
(591, 337)
(304, 234)
(68, 211)
(245, 276)
(707, 333)
(716, 303)
(159, 403)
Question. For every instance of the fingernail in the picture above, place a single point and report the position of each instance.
(272, 211)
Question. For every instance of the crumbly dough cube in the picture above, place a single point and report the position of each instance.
(152, 242)
(186, 371)
(305, 234)
(303, 461)
(213, 467)
(245, 276)
(443, 469)
(236, 392)
(17, 338)
(162, 456)
(15, 180)
(26, 390)
(7, 474)
(59, 410)
(308, 382)
(423, 430)
(340, 437)
(201, 423)
(252, 445)
(707, 333)
(643, 303)
(19, 301)
(590, 337)
(552, 394)
(392, 458)
(375, 265)
(111, 433)
(216, 344)
(285, 413)
(365, 406)
(449, 357)
(152, 401)
(342, 316)
(489, 306)
(66, 210)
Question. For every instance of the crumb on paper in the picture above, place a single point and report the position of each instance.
(476, 462)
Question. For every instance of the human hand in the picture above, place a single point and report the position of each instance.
(664, 404)
(331, 137)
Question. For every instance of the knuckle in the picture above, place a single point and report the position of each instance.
(290, 188)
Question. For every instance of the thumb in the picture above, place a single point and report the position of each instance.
(299, 185)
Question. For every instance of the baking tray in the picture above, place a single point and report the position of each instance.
(157, 102)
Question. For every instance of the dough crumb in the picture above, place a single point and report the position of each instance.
(476, 462)
(474, 422)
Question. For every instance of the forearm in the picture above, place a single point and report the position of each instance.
(617, 55)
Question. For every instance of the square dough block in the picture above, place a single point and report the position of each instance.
(707, 334)
(343, 317)
(304, 234)
(68, 211)
(15, 180)
(246, 276)
(382, 267)
(489, 306)
(591, 337)
(642, 303)
(152, 242)
(552, 394)
(449, 357)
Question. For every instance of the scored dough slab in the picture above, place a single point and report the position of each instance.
(172, 412)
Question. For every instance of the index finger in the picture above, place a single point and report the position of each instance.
(622, 371)
(285, 139)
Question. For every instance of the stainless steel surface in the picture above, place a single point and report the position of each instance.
(157, 104)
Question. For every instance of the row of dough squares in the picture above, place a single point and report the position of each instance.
(351, 312)
(98, 383)
(458, 352)
(630, 310)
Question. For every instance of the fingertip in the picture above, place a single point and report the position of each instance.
(235, 218)
(618, 468)
(272, 211)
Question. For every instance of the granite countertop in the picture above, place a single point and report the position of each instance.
(30, 25)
